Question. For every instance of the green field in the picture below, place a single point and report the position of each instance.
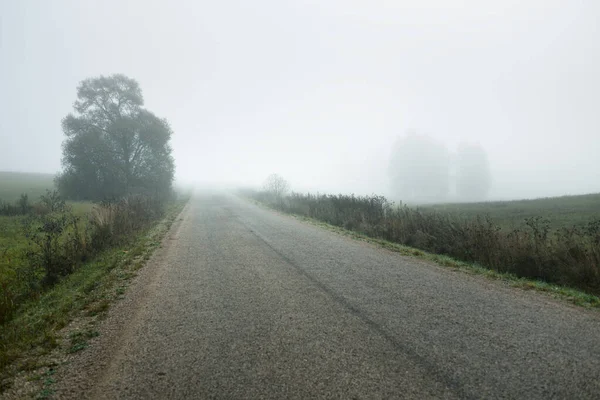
(13, 184)
(565, 211)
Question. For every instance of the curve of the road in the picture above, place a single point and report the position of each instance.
(243, 303)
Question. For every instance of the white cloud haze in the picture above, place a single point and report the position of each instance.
(318, 91)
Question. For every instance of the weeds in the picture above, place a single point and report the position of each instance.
(57, 242)
(31, 331)
(48, 384)
(564, 256)
(19, 207)
(79, 340)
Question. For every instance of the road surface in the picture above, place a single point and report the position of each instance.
(245, 303)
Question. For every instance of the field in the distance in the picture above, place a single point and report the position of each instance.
(565, 211)
(13, 184)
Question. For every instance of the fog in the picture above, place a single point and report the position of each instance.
(319, 91)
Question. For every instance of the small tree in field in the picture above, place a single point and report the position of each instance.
(276, 186)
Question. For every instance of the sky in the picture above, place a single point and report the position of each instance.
(319, 90)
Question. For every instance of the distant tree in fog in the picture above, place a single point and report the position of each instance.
(473, 175)
(114, 146)
(276, 185)
(419, 169)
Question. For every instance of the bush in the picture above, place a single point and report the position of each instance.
(52, 237)
(569, 257)
(113, 221)
(54, 242)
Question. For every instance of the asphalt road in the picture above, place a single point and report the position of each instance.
(244, 303)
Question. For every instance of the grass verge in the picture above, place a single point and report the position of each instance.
(91, 289)
(570, 295)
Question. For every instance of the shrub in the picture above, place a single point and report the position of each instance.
(52, 202)
(113, 221)
(51, 236)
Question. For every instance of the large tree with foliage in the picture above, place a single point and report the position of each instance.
(113, 145)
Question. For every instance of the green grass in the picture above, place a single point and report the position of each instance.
(13, 184)
(79, 339)
(81, 208)
(10, 233)
(13, 245)
(91, 289)
(12, 240)
(565, 211)
(13, 264)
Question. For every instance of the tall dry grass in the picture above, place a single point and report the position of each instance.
(565, 256)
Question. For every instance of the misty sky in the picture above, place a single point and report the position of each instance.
(318, 90)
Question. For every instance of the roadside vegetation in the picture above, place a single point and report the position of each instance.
(72, 249)
(39, 309)
(51, 239)
(536, 249)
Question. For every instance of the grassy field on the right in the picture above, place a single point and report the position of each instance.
(561, 212)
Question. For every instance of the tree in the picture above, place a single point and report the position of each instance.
(473, 175)
(419, 169)
(113, 145)
(276, 185)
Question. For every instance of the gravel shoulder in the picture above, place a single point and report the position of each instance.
(242, 302)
